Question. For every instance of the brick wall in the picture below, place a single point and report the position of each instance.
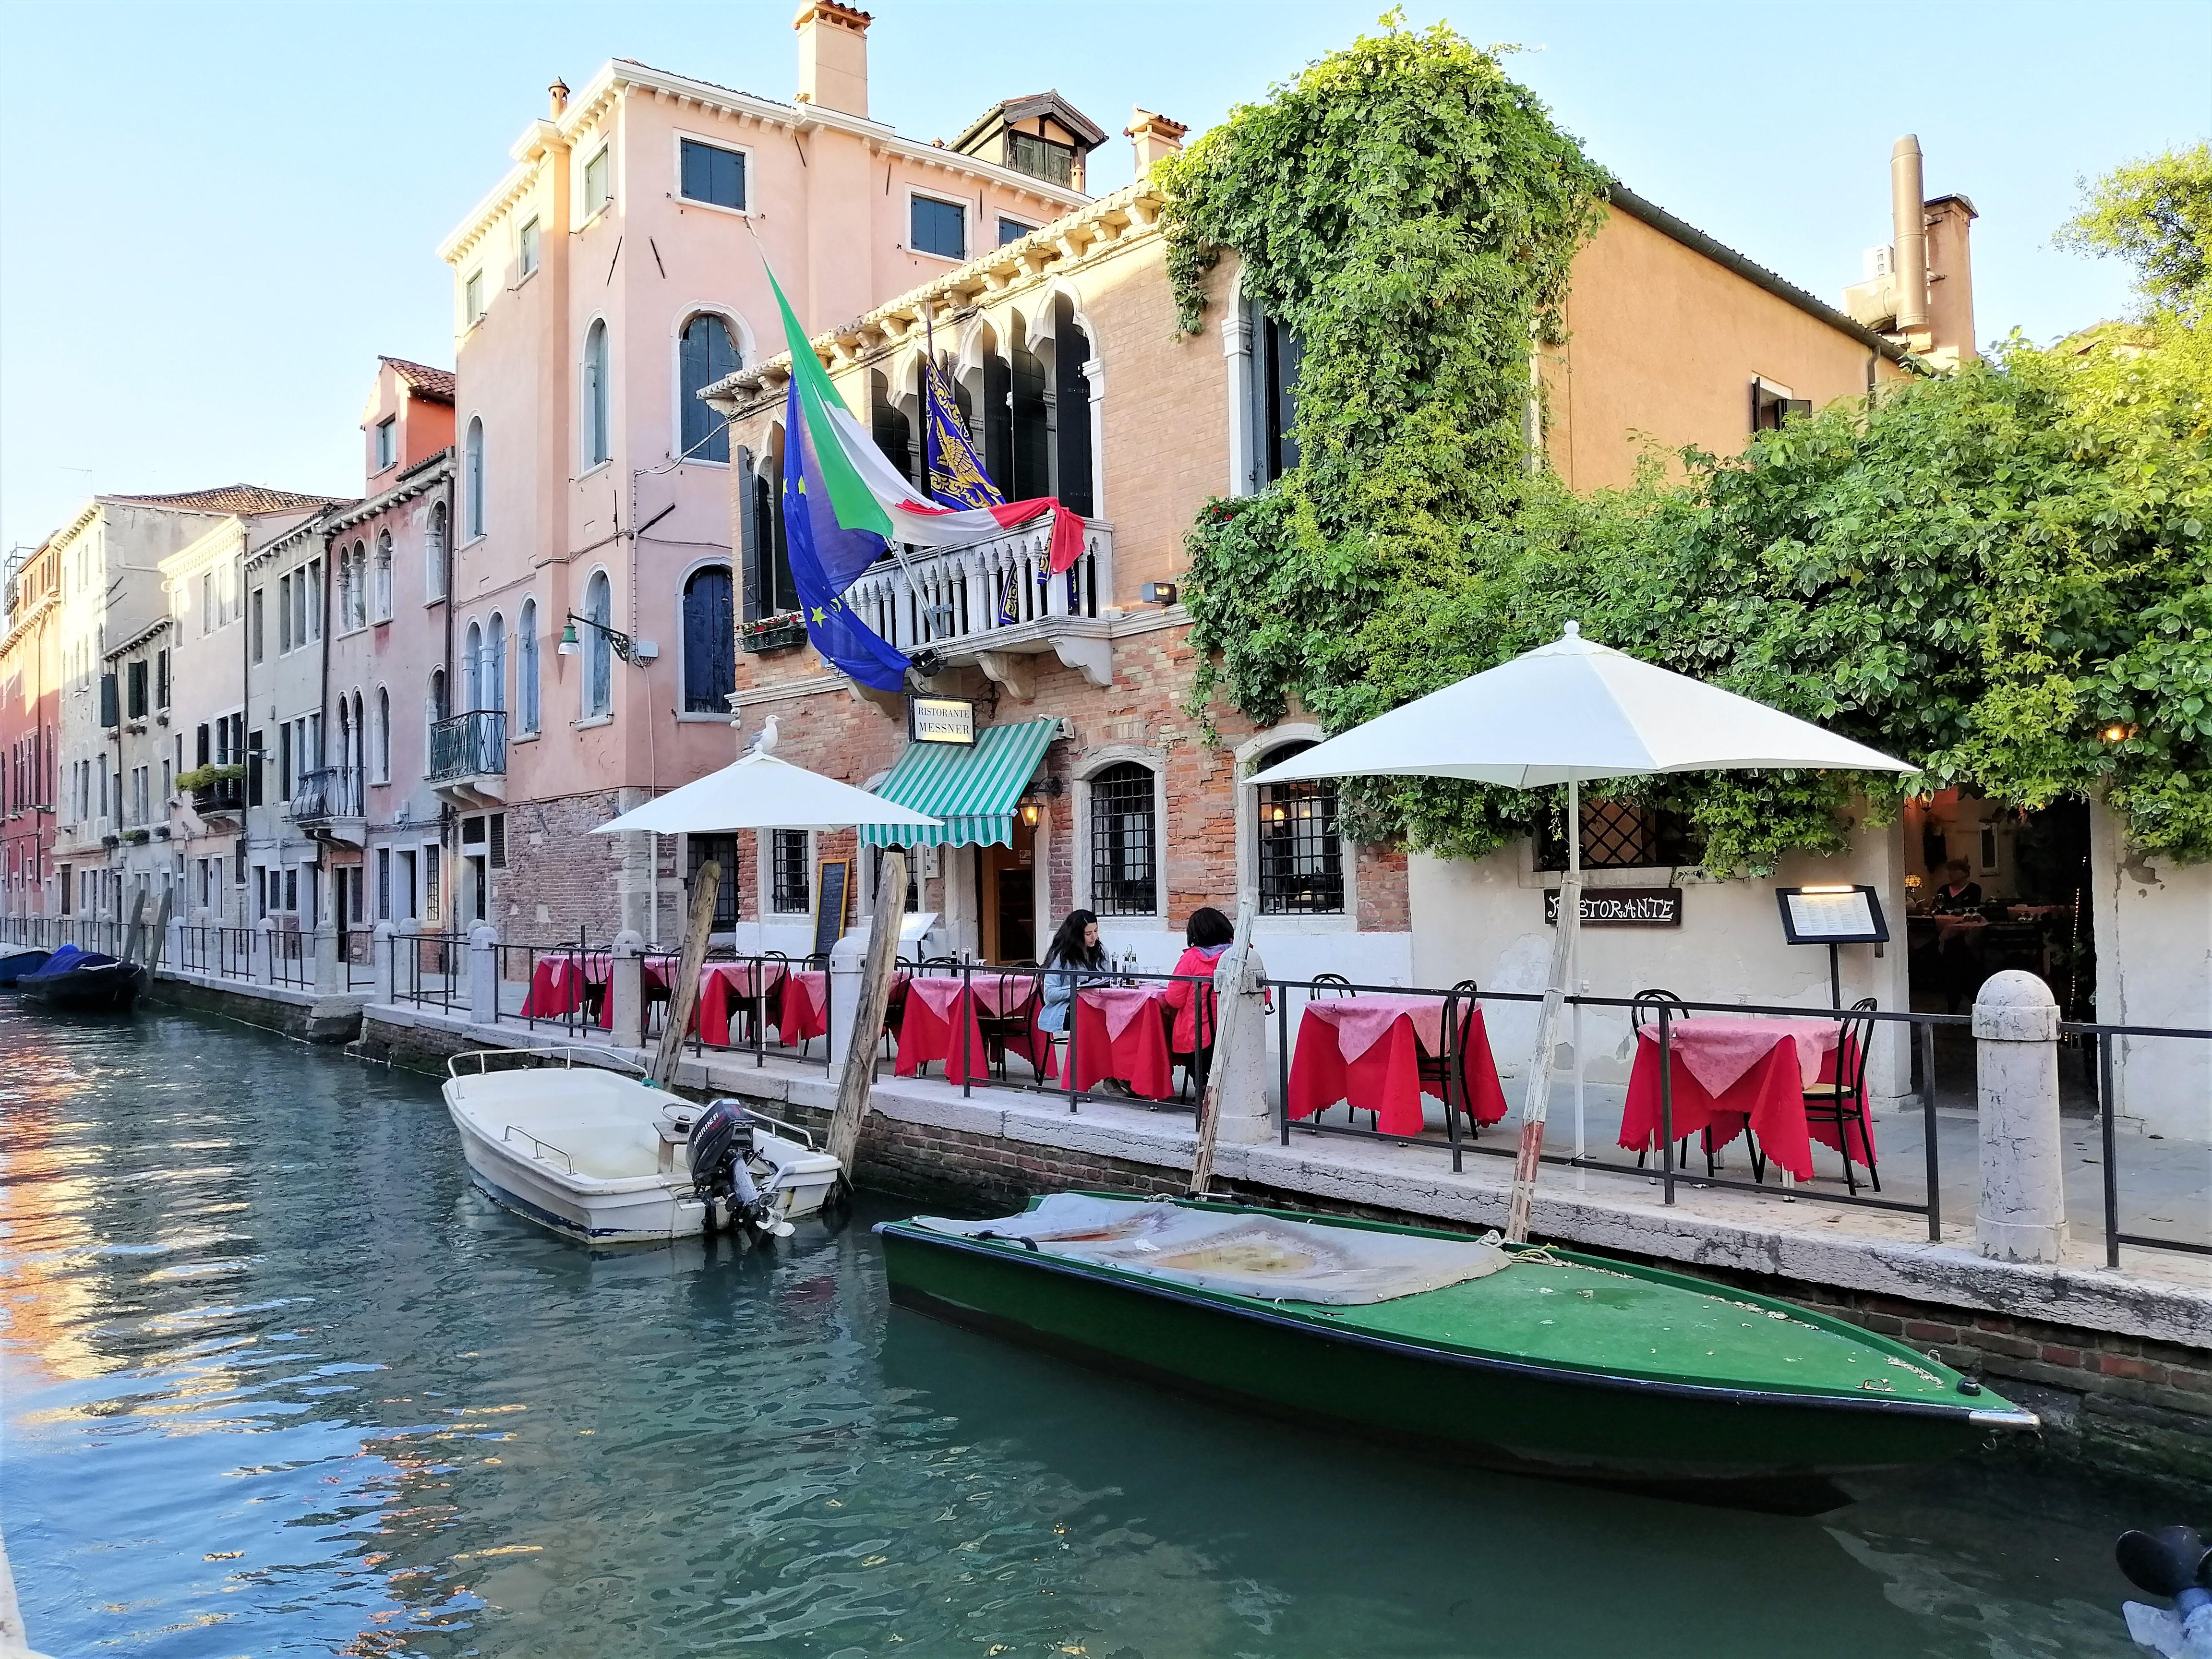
(560, 878)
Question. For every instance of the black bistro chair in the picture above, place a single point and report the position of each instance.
(1195, 1062)
(1336, 985)
(1643, 1009)
(1843, 1102)
(1461, 1003)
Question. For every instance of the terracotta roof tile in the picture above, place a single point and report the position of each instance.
(435, 383)
(241, 498)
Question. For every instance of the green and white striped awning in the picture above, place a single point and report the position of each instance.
(973, 789)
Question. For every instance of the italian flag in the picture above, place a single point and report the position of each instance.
(866, 492)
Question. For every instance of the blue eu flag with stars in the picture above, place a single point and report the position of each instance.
(825, 559)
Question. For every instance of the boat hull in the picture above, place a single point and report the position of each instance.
(15, 965)
(1515, 1415)
(86, 990)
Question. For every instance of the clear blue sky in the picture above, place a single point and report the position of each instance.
(213, 217)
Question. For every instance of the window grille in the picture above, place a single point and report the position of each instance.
(723, 849)
(1301, 855)
(788, 885)
(1620, 835)
(1124, 868)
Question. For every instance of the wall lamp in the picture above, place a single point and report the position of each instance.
(2117, 732)
(620, 642)
(1159, 594)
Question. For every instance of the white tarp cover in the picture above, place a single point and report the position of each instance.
(1243, 1255)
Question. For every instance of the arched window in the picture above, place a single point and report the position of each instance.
(1300, 856)
(769, 589)
(598, 446)
(525, 668)
(358, 617)
(1124, 842)
(434, 543)
(472, 484)
(598, 658)
(382, 757)
(704, 355)
(1070, 470)
(495, 665)
(473, 669)
(710, 662)
(433, 710)
(383, 576)
(345, 590)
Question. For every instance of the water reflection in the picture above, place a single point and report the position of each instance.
(278, 1384)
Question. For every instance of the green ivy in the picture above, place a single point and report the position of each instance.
(1980, 572)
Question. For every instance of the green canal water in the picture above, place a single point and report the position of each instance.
(278, 1382)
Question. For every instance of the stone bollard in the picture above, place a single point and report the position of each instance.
(1240, 1065)
(627, 989)
(846, 959)
(483, 974)
(380, 951)
(261, 947)
(329, 971)
(2023, 1216)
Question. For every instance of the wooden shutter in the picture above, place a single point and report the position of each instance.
(1072, 478)
(998, 423)
(497, 825)
(749, 533)
(1032, 474)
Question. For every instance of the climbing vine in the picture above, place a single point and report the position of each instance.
(1986, 573)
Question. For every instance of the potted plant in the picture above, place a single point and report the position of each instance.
(777, 633)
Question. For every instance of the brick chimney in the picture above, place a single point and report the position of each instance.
(833, 56)
(1951, 278)
(558, 94)
(1154, 137)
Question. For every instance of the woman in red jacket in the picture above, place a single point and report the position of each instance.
(1207, 936)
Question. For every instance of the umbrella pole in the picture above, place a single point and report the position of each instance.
(1547, 1025)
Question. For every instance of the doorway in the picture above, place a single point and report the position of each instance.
(1005, 888)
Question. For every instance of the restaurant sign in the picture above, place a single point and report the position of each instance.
(940, 720)
(1622, 906)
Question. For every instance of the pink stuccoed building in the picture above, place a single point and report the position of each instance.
(613, 272)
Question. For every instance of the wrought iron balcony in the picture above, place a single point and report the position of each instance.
(327, 792)
(222, 795)
(470, 745)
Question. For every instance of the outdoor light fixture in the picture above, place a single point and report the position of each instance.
(1840, 887)
(1031, 812)
(1914, 883)
(2117, 732)
(1159, 592)
(619, 641)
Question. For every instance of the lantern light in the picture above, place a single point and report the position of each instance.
(568, 646)
(1031, 812)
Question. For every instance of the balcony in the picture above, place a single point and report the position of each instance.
(468, 757)
(329, 803)
(997, 604)
(221, 797)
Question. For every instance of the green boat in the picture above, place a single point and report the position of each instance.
(1530, 1358)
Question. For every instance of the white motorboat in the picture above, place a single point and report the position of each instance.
(579, 1141)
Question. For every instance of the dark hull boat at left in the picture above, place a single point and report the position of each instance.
(84, 981)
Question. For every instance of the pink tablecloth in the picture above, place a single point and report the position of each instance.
(1366, 1052)
(1730, 1074)
(727, 987)
(938, 1009)
(1122, 1032)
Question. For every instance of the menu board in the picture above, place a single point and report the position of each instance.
(833, 882)
(1831, 915)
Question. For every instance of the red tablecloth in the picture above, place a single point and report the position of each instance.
(805, 1014)
(1730, 1073)
(727, 987)
(1365, 1051)
(558, 983)
(1122, 1032)
(939, 1004)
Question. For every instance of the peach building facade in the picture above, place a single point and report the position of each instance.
(1134, 810)
(613, 272)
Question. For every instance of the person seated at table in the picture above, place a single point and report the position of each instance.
(1206, 936)
(1956, 895)
(1076, 954)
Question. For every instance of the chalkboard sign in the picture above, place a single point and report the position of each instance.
(833, 898)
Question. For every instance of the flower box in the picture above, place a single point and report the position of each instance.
(773, 633)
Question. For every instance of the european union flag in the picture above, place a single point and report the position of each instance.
(957, 478)
(825, 560)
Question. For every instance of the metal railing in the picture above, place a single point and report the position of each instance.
(328, 792)
(291, 958)
(2106, 1039)
(223, 795)
(964, 595)
(752, 1016)
(217, 951)
(357, 956)
(469, 745)
(430, 971)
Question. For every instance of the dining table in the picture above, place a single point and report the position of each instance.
(939, 1007)
(1122, 1032)
(561, 983)
(1366, 1051)
(727, 988)
(1730, 1073)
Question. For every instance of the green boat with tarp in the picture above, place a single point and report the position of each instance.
(1527, 1358)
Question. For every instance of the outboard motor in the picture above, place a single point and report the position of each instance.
(721, 1142)
(2173, 1562)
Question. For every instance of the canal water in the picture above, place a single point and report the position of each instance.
(278, 1382)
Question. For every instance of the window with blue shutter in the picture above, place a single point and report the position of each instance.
(939, 227)
(705, 355)
(709, 642)
(713, 174)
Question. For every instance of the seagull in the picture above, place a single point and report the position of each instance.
(764, 740)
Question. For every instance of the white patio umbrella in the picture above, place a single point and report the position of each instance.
(760, 792)
(1566, 712)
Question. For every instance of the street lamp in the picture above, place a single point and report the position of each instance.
(619, 641)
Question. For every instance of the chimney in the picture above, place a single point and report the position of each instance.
(1908, 216)
(559, 93)
(1154, 137)
(833, 57)
(1950, 279)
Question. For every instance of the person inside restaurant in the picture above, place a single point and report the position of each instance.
(1957, 895)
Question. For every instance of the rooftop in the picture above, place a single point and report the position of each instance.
(434, 384)
(1036, 104)
(241, 498)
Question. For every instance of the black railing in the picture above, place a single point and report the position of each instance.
(430, 970)
(223, 795)
(328, 792)
(219, 951)
(469, 745)
(2104, 1037)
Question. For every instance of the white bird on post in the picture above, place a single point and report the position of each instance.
(764, 740)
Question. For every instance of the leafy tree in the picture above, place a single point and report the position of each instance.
(2157, 215)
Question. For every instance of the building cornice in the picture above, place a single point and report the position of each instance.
(1109, 225)
(424, 477)
(229, 536)
(619, 77)
(136, 639)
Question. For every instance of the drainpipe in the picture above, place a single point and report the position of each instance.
(323, 703)
(1909, 217)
